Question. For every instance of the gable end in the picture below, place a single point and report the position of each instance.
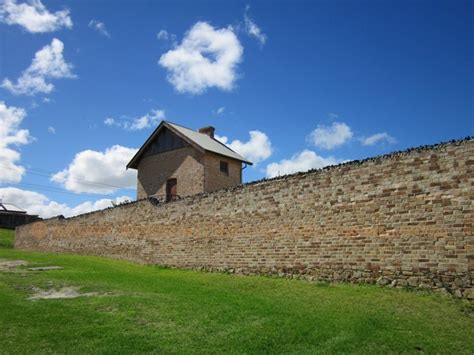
(164, 142)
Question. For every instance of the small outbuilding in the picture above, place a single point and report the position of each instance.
(176, 161)
(12, 216)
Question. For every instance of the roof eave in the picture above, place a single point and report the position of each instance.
(228, 156)
(133, 163)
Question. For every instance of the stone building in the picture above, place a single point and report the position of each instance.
(176, 161)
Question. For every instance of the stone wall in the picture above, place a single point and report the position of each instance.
(402, 219)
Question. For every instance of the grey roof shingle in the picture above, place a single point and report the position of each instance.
(208, 143)
(201, 140)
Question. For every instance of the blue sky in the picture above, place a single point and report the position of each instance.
(291, 85)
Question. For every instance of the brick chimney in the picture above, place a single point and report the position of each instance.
(209, 130)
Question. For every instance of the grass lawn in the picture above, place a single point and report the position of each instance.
(151, 309)
(7, 237)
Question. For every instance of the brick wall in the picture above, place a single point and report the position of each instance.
(403, 219)
(184, 164)
(215, 179)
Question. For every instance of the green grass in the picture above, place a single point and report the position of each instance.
(7, 237)
(152, 309)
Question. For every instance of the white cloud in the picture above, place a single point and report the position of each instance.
(48, 63)
(99, 172)
(256, 149)
(378, 138)
(33, 16)
(99, 27)
(220, 110)
(109, 121)
(52, 130)
(222, 139)
(39, 204)
(163, 35)
(329, 137)
(150, 119)
(11, 134)
(306, 160)
(252, 29)
(206, 58)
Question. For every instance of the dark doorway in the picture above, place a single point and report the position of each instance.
(171, 189)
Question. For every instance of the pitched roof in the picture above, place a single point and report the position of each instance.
(199, 140)
(10, 207)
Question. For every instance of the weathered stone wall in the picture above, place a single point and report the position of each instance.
(402, 219)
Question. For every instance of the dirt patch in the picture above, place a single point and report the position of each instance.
(65, 292)
(10, 265)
